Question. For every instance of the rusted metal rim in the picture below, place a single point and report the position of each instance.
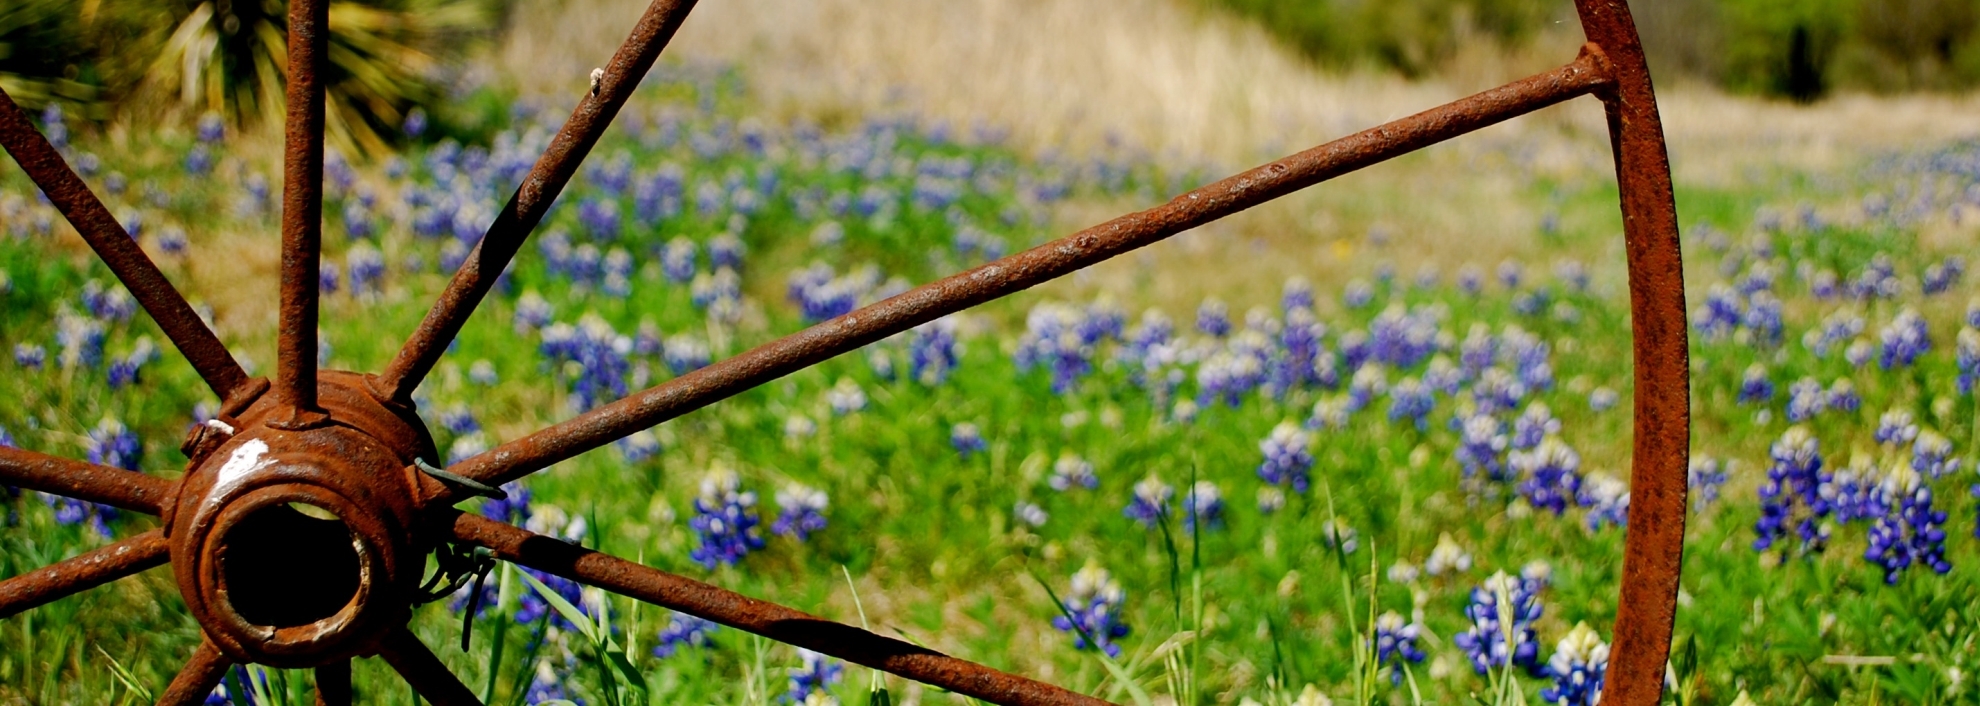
(345, 443)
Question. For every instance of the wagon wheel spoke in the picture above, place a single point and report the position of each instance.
(302, 208)
(196, 681)
(333, 684)
(82, 572)
(118, 251)
(770, 620)
(116, 487)
(1024, 270)
(533, 198)
(424, 671)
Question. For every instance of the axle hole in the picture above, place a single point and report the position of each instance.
(289, 565)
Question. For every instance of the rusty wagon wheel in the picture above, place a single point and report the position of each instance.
(353, 445)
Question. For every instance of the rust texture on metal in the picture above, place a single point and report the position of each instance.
(770, 620)
(333, 684)
(82, 572)
(302, 208)
(1653, 551)
(533, 198)
(195, 682)
(424, 671)
(1024, 270)
(126, 260)
(299, 533)
(116, 487)
(333, 584)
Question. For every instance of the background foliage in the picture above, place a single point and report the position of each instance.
(1801, 49)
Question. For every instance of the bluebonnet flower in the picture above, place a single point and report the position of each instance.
(124, 370)
(1150, 502)
(933, 351)
(328, 275)
(684, 631)
(547, 685)
(1470, 279)
(1030, 514)
(1839, 326)
(1904, 339)
(367, 268)
(1550, 474)
(1579, 668)
(1411, 400)
(1443, 377)
(726, 250)
(801, 512)
(1510, 273)
(30, 356)
(1941, 276)
(600, 218)
(1877, 279)
(1338, 534)
(1072, 471)
(1213, 318)
(1967, 360)
(1754, 385)
(115, 445)
(684, 354)
(725, 521)
(514, 509)
(457, 419)
(1297, 294)
(482, 372)
(600, 354)
(1720, 314)
(172, 240)
(639, 446)
(1706, 478)
(1496, 390)
(1357, 294)
(1368, 383)
(1851, 492)
(1482, 443)
(810, 681)
(1895, 428)
(1843, 397)
(1603, 399)
(1203, 503)
(1447, 557)
(414, 124)
(828, 234)
(1095, 605)
(846, 397)
(1858, 353)
(108, 304)
(1534, 425)
(966, 439)
(1052, 339)
(1607, 500)
(1300, 351)
(465, 447)
(678, 259)
(1912, 532)
(1931, 455)
(798, 426)
(1824, 284)
(1792, 493)
(1763, 317)
(1288, 458)
(1806, 398)
(1395, 643)
(1478, 350)
(1502, 606)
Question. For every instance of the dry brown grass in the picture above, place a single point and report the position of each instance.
(1190, 87)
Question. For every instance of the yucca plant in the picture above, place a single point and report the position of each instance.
(230, 57)
(51, 50)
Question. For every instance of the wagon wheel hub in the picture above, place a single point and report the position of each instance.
(293, 544)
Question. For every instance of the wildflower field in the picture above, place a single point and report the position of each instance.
(1404, 485)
